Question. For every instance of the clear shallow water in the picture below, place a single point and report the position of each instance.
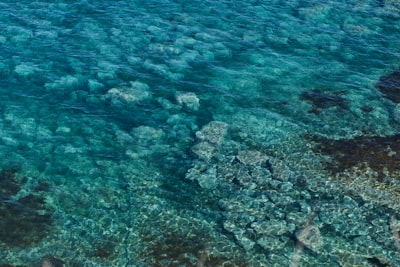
(181, 134)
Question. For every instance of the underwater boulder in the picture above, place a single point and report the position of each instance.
(321, 99)
(389, 85)
(188, 100)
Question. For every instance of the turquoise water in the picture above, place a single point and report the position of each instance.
(201, 133)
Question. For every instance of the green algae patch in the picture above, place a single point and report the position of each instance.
(25, 220)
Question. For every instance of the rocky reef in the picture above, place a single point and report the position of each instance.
(278, 214)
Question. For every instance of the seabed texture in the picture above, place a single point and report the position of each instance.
(200, 133)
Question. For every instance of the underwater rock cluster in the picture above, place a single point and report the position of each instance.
(271, 210)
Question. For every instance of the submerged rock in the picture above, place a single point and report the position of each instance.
(135, 93)
(252, 157)
(321, 99)
(310, 236)
(51, 261)
(214, 132)
(396, 112)
(189, 100)
(210, 137)
(389, 85)
(208, 179)
(65, 83)
(204, 150)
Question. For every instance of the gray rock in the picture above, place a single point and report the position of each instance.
(208, 179)
(136, 92)
(189, 100)
(310, 236)
(252, 157)
(204, 150)
(271, 243)
(214, 132)
(271, 227)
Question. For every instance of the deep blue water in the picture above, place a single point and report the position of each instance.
(201, 133)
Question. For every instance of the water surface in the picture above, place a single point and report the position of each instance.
(209, 133)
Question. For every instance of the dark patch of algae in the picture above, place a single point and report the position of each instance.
(378, 153)
(389, 85)
(24, 221)
(368, 165)
(175, 247)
